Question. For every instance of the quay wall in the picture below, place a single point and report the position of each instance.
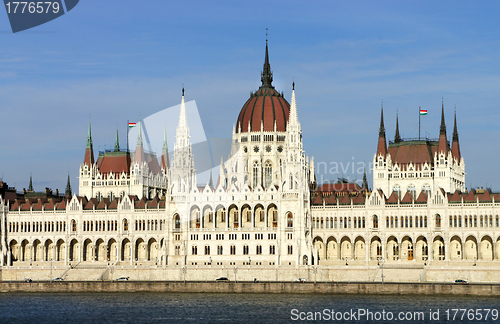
(250, 287)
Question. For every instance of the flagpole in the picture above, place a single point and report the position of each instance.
(419, 123)
(128, 127)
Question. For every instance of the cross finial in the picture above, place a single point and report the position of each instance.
(183, 89)
(266, 35)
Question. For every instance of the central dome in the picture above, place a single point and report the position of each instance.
(265, 107)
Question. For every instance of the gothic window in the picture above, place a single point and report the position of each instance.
(177, 221)
(258, 249)
(290, 181)
(98, 196)
(425, 221)
(289, 220)
(255, 174)
(290, 249)
(375, 221)
(268, 174)
(245, 249)
(194, 250)
(261, 213)
(232, 250)
(125, 225)
(177, 250)
(73, 225)
(249, 216)
(223, 215)
(438, 220)
(220, 250)
(207, 250)
(272, 249)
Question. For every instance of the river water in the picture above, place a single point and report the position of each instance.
(242, 308)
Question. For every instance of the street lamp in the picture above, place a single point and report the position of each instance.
(381, 259)
(346, 261)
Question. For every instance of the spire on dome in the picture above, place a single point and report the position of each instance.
(382, 145)
(89, 150)
(117, 142)
(68, 188)
(455, 146)
(267, 75)
(397, 138)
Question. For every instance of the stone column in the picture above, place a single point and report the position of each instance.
(367, 251)
(131, 253)
(446, 251)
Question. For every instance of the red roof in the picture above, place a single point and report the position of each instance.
(418, 152)
(265, 106)
(407, 199)
(422, 198)
(116, 162)
(360, 200)
(393, 198)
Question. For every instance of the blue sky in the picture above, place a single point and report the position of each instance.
(117, 60)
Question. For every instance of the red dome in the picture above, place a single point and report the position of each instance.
(264, 106)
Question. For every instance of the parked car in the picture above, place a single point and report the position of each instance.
(58, 279)
(300, 280)
(222, 279)
(462, 281)
(122, 279)
(28, 280)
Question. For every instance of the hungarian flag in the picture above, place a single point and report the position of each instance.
(423, 111)
(130, 125)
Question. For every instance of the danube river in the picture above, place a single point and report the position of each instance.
(242, 308)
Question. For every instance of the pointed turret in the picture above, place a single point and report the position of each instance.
(443, 144)
(455, 146)
(293, 119)
(397, 138)
(30, 187)
(211, 182)
(139, 151)
(117, 142)
(165, 162)
(365, 181)
(182, 115)
(267, 75)
(89, 150)
(382, 144)
(68, 189)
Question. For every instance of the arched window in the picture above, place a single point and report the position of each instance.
(425, 221)
(427, 190)
(438, 220)
(290, 181)
(98, 195)
(289, 220)
(111, 196)
(125, 225)
(249, 215)
(268, 174)
(177, 221)
(375, 221)
(255, 174)
(73, 225)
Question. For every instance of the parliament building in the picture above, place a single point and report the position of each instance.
(264, 211)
